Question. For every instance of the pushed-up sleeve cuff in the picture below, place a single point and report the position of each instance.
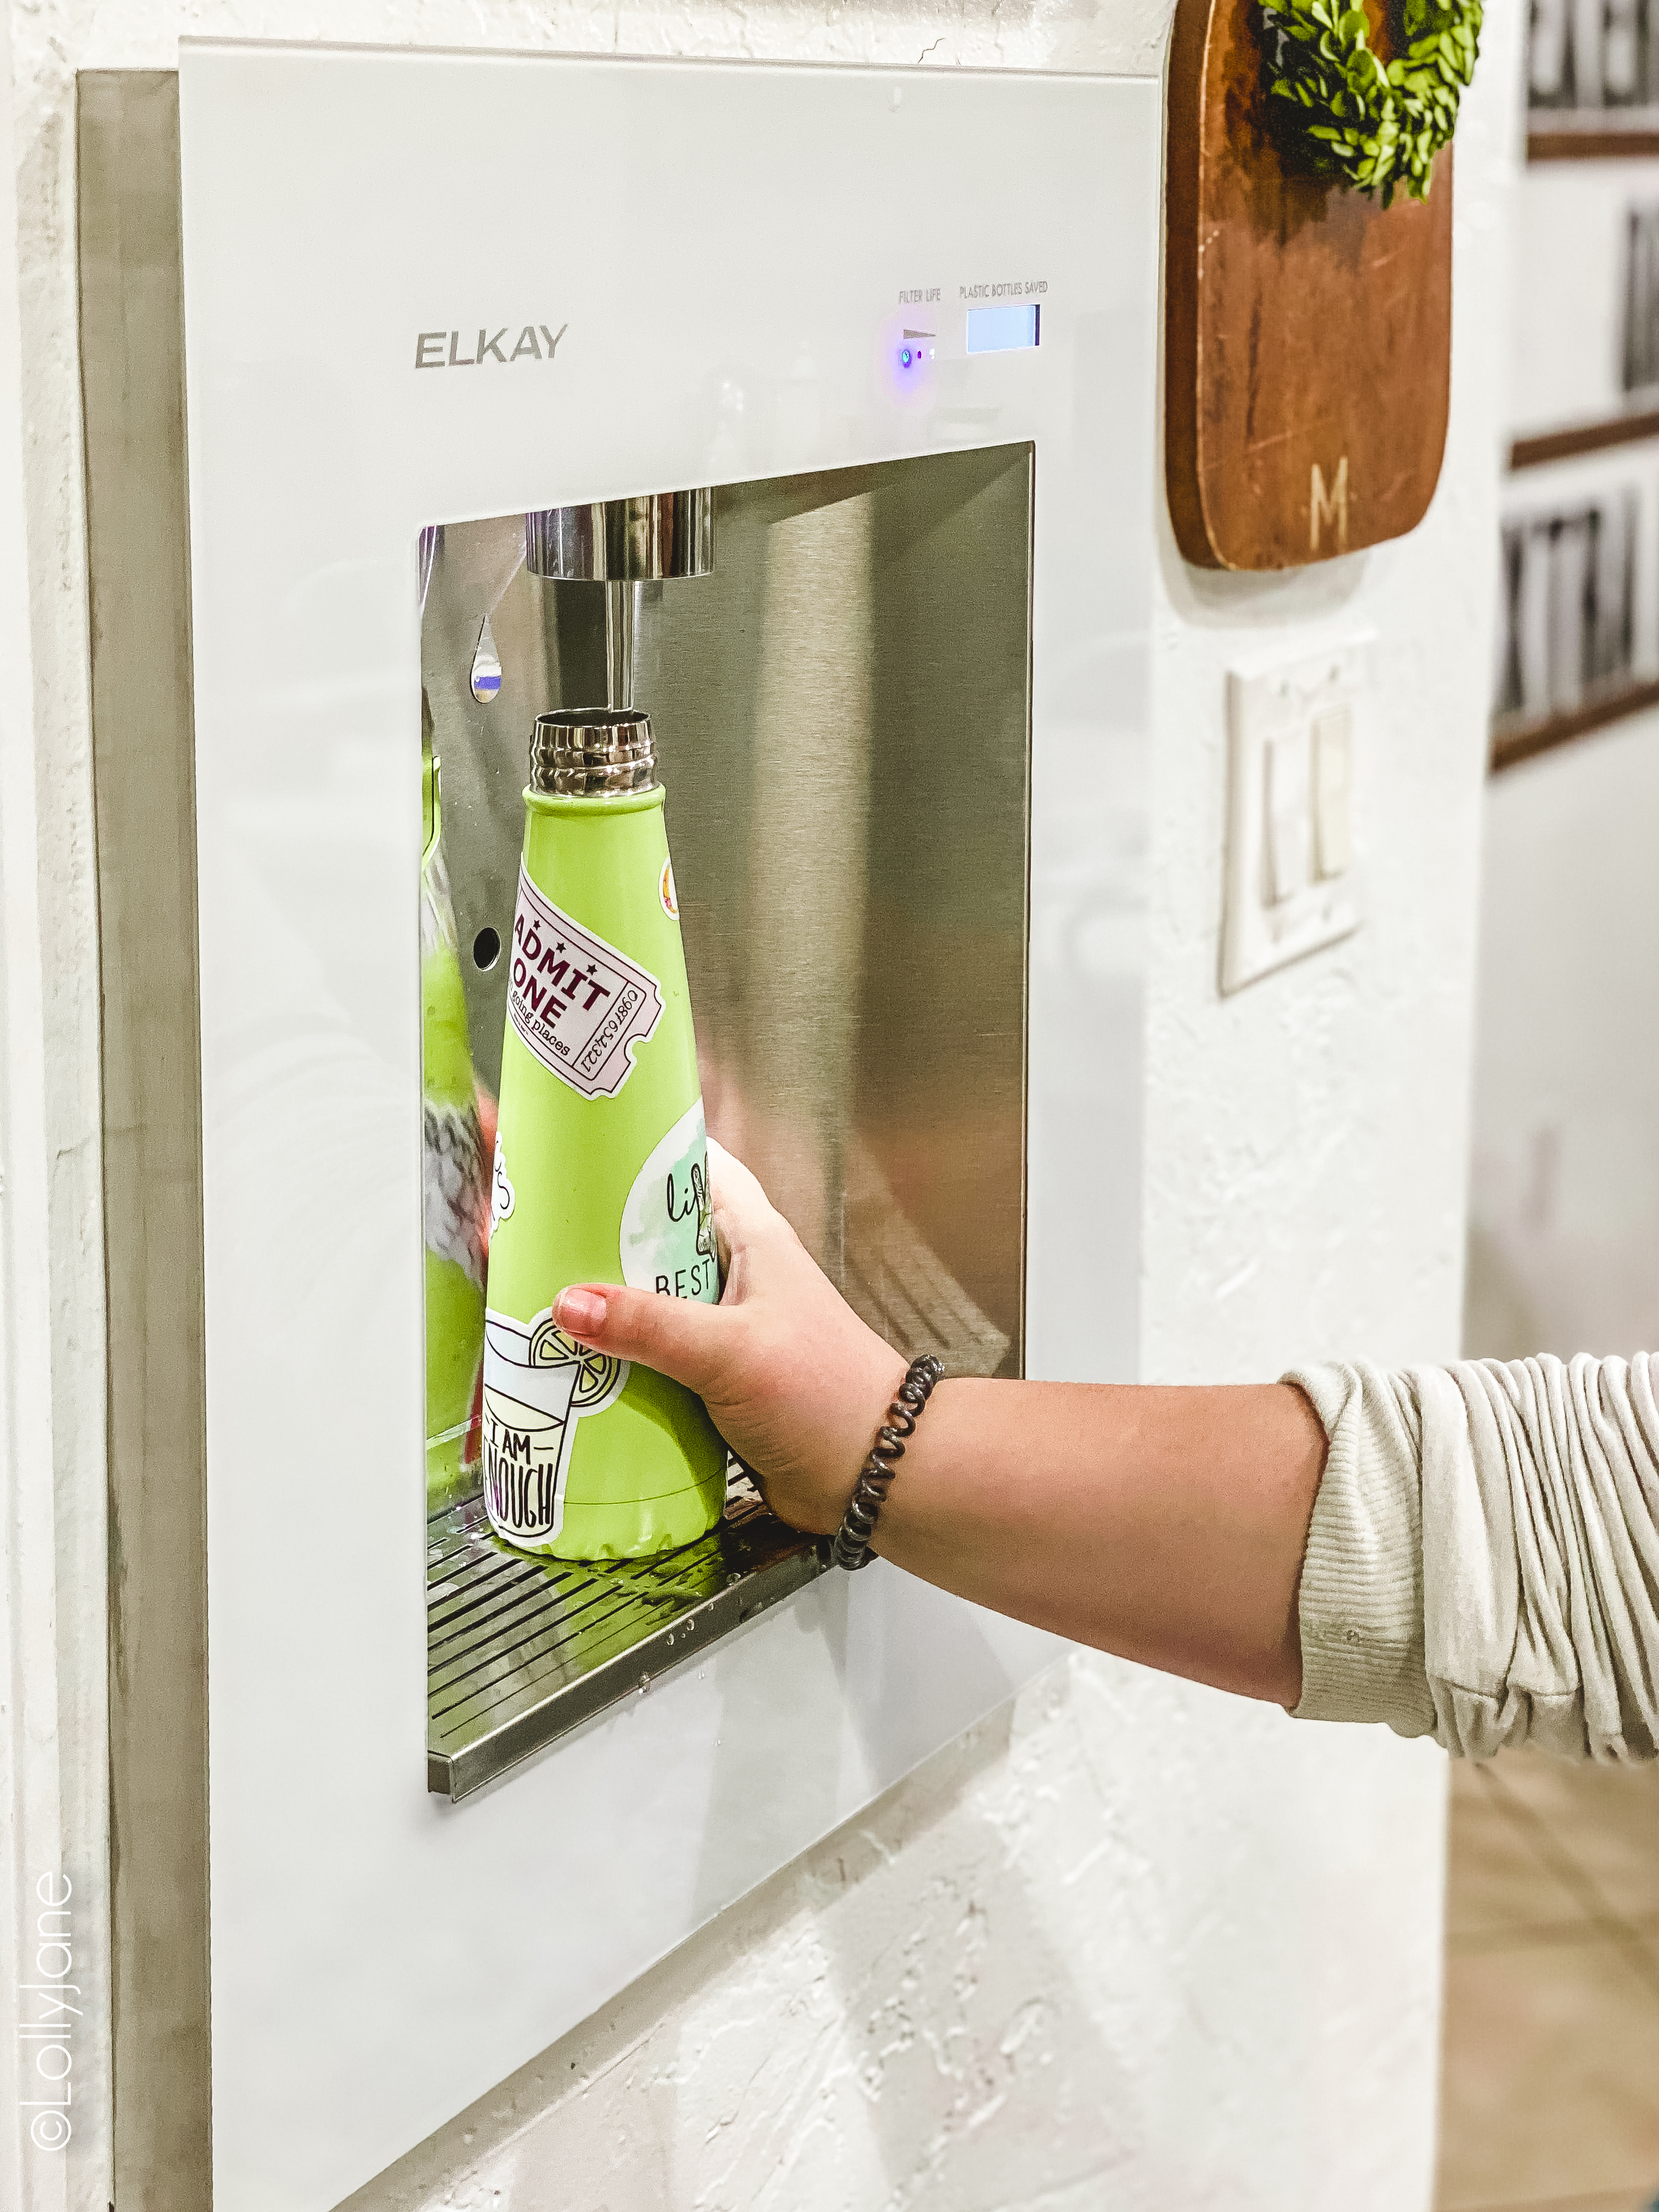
(1361, 1595)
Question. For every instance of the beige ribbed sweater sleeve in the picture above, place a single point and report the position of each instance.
(1483, 1561)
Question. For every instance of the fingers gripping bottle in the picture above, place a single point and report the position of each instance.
(601, 1169)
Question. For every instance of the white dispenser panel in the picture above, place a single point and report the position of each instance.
(431, 287)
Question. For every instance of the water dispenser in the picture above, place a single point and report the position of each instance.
(844, 470)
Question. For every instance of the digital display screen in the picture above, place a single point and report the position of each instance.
(1003, 330)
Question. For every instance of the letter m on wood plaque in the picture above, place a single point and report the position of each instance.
(1304, 326)
(1329, 510)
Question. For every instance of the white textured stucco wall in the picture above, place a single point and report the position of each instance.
(1565, 1212)
(1134, 1944)
(1565, 1191)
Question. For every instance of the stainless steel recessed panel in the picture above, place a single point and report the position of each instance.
(841, 713)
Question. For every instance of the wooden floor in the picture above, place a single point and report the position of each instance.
(1550, 2096)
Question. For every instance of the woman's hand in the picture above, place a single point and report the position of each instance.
(792, 1378)
(1168, 1525)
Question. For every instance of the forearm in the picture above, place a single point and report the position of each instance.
(1165, 1525)
(1473, 1553)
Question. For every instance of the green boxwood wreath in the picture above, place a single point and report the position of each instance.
(1375, 124)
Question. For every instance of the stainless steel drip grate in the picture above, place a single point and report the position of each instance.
(521, 1650)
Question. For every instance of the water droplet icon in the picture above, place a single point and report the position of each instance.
(486, 666)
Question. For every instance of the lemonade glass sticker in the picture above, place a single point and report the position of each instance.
(538, 1385)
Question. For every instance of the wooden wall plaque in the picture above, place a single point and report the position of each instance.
(1307, 329)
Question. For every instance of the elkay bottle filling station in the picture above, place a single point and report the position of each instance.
(854, 925)
(452, 327)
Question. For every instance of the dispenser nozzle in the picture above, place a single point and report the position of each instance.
(623, 542)
(645, 540)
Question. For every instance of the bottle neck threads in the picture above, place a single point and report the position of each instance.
(596, 752)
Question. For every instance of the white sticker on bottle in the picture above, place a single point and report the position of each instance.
(667, 1242)
(502, 1196)
(537, 1384)
(576, 1002)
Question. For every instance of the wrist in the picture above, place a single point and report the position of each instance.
(846, 1446)
(854, 1544)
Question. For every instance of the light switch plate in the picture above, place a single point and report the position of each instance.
(1292, 875)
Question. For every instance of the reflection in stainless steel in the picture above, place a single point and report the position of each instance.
(477, 569)
(804, 877)
(841, 716)
(623, 541)
(620, 606)
(520, 1650)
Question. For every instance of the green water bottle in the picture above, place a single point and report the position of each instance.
(601, 1169)
(454, 1172)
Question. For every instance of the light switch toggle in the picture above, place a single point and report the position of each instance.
(1286, 848)
(1291, 874)
(1332, 774)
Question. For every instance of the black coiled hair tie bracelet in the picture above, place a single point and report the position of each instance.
(851, 1548)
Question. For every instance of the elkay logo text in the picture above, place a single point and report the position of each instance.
(442, 349)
